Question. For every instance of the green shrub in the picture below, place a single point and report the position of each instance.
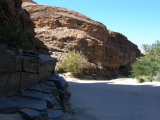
(15, 37)
(73, 62)
(148, 66)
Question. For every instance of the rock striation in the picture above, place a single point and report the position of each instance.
(30, 88)
(59, 30)
(22, 71)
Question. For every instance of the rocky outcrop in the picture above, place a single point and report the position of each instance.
(109, 53)
(29, 1)
(29, 87)
(11, 13)
(22, 71)
(45, 101)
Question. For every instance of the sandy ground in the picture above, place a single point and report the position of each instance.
(119, 99)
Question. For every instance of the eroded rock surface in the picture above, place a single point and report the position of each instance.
(11, 12)
(43, 102)
(59, 29)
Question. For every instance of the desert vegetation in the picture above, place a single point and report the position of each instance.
(147, 67)
(73, 62)
(15, 37)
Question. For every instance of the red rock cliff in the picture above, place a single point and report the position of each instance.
(61, 29)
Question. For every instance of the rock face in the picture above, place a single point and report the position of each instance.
(109, 53)
(29, 1)
(40, 102)
(11, 13)
(30, 88)
(22, 71)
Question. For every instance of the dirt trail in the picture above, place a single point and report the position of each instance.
(120, 99)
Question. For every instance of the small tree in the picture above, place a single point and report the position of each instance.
(148, 66)
(73, 62)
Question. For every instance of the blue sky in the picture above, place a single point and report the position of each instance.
(138, 20)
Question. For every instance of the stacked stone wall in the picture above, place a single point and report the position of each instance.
(23, 71)
(30, 89)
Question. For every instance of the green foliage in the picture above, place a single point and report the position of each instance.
(73, 62)
(14, 37)
(146, 68)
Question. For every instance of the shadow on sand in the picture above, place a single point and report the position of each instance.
(107, 100)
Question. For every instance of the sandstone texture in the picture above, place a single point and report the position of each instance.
(59, 30)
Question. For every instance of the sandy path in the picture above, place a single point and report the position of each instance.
(115, 100)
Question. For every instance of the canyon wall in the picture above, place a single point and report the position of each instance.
(59, 30)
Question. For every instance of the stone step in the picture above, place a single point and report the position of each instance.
(7, 106)
(31, 94)
(23, 102)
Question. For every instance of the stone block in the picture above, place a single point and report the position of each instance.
(3, 81)
(44, 76)
(51, 101)
(28, 80)
(18, 63)
(60, 82)
(13, 82)
(63, 82)
(55, 114)
(30, 64)
(7, 61)
(46, 63)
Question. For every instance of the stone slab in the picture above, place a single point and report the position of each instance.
(31, 94)
(47, 97)
(7, 106)
(45, 88)
(29, 113)
(15, 116)
(28, 80)
(55, 114)
(51, 84)
(30, 103)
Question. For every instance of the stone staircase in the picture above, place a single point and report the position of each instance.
(30, 89)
